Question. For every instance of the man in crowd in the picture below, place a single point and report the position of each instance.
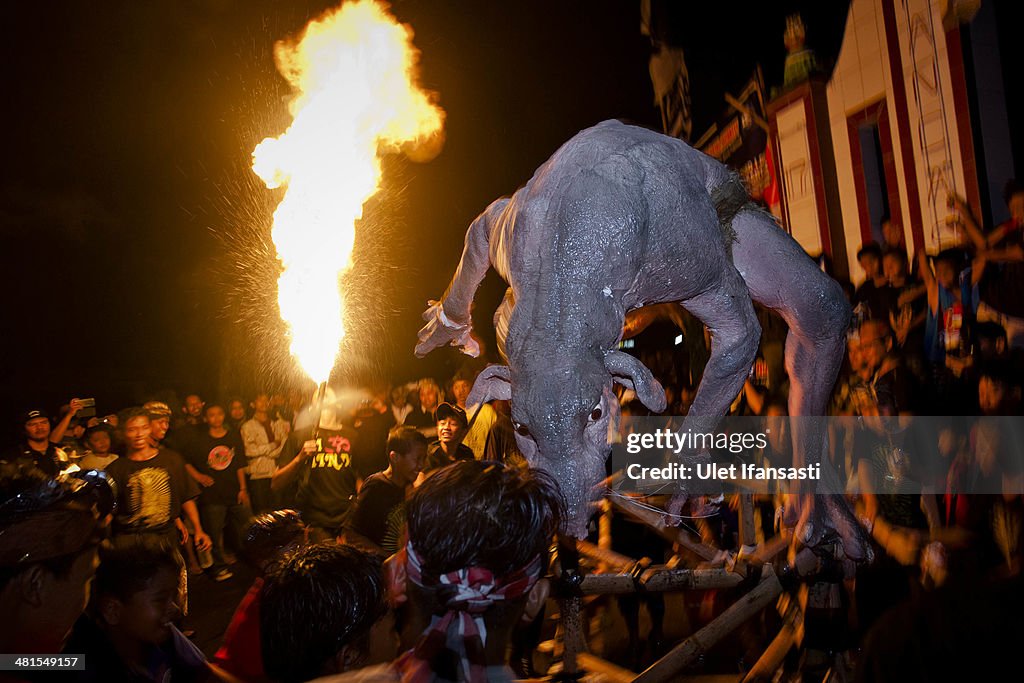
(51, 532)
(69, 430)
(423, 417)
(400, 406)
(160, 435)
(192, 410)
(373, 422)
(451, 425)
(378, 517)
(501, 438)
(263, 437)
(327, 469)
(37, 449)
(892, 386)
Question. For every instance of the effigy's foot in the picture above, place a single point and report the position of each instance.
(825, 520)
(440, 331)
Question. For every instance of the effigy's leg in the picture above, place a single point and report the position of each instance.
(780, 275)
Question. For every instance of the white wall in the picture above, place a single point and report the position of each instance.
(795, 161)
(862, 77)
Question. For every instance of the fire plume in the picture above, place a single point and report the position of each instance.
(353, 73)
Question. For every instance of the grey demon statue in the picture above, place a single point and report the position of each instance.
(621, 217)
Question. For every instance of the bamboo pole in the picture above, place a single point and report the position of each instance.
(572, 634)
(571, 608)
(614, 560)
(668, 667)
(659, 579)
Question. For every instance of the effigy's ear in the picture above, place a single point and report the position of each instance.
(632, 374)
(494, 383)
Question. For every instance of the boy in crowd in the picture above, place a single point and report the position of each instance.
(378, 518)
(98, 442)
(216, 461)
(451, 424)
(128, 632)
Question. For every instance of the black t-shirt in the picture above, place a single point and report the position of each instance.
(24, 456)
(219, 458)
(150, 492)
(417, 418)
(327, 483)
(437, 458)
(878, 300)
(379, 512)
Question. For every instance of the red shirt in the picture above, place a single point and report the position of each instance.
(240, 654)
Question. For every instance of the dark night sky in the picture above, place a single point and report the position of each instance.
(133, 227)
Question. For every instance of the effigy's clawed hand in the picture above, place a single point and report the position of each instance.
(440, 331)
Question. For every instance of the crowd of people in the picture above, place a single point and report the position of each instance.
(344, 502)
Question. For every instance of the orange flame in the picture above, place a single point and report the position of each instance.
(353, 72)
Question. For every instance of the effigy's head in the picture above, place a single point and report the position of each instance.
(564, 412)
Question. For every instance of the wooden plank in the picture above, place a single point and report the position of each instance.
(609, 672)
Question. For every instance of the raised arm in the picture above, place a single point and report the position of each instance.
(931, 285)
(57, 434)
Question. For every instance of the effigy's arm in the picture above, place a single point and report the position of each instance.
(448, 321)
